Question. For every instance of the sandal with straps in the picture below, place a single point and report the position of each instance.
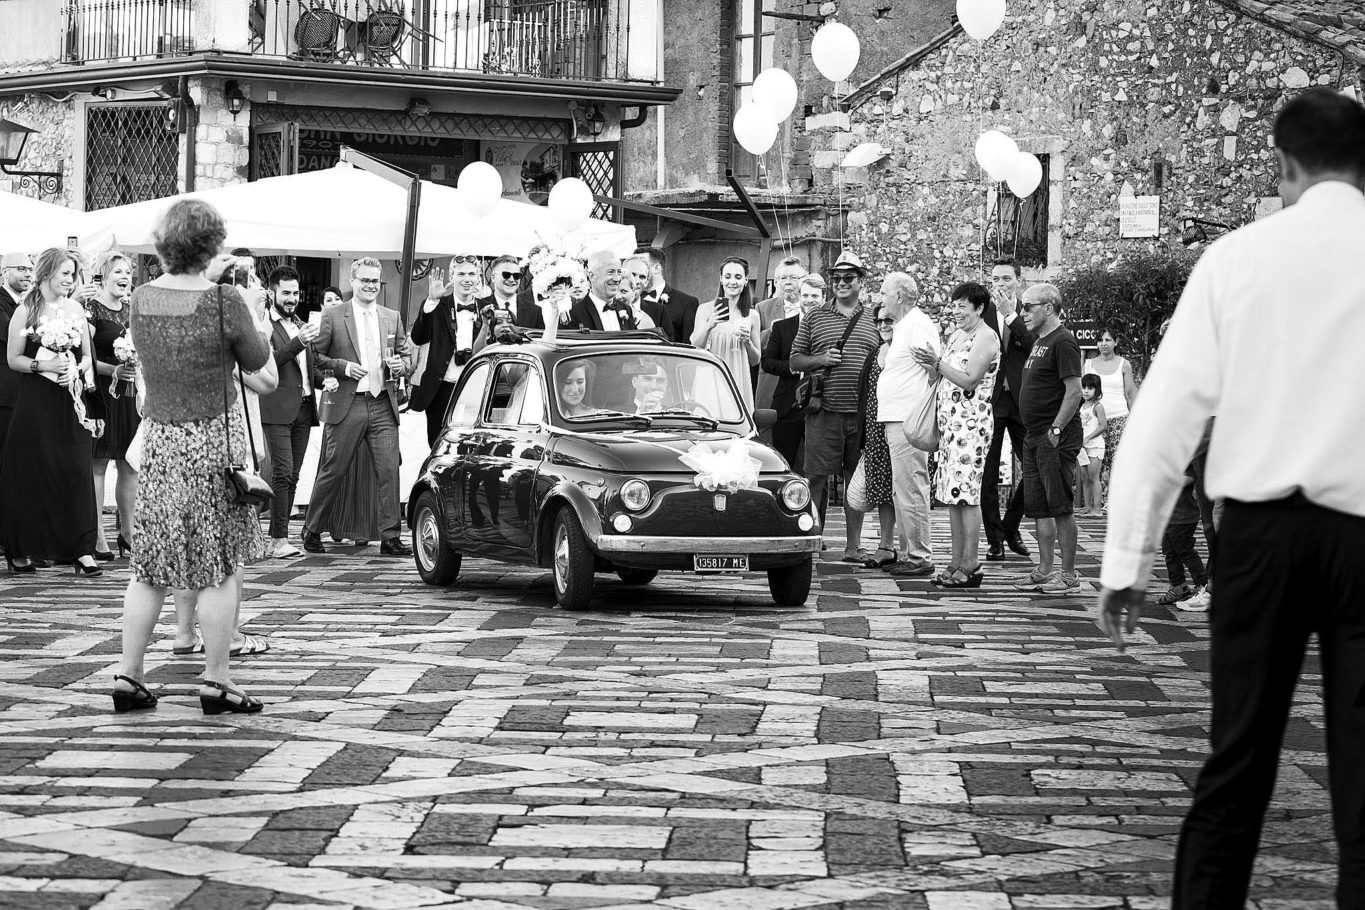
(944, 576)
(233, 701)
(964, 579)
(140, 699)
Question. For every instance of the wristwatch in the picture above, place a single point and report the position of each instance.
(1055, 432)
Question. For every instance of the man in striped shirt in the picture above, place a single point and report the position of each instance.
(826, 347)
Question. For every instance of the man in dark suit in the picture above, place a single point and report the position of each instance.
(599, 310)
(16, 277)
(502, 306)
(680, 308)
(790, 429)
(1016, 341)
(638, 272)
(449, 325)
(289, 413)
(365, 343)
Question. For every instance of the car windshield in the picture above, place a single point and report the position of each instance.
(600, 387)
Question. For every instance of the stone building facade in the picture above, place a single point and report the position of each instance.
(1167, 98)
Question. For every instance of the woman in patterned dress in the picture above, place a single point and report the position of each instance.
(968, 367)
(876, 453)
(108, 312)
(189, 533)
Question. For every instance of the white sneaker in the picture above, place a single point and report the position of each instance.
(1198, 602)
(283, 549)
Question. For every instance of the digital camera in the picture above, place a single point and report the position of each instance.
(462, 356)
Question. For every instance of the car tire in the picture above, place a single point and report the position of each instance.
(790, 585)
(636, 576)
(571, 562)
(436, 562)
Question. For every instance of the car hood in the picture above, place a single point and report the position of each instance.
(651, 451)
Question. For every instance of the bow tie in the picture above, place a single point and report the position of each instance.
(467, 308)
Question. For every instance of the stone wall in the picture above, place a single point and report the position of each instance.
(1109, 89)
(222, 143)
(51, 148)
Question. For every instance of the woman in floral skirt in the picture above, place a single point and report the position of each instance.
(876, 453)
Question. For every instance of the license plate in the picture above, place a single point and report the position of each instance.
(720, 563)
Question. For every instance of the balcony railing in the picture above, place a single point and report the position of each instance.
(553, 39)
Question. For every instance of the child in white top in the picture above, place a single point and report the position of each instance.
(1091, 460)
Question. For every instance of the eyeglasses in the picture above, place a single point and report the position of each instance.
(511, 276)
(368, 282)
(844, 279)
(885, 320)
(1030, 306)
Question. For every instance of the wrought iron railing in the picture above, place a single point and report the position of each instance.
(127, 29)
(552, 39)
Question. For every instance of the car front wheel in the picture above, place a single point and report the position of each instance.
(790, 585)
(436, 562)
(573, 562)
(637, 576)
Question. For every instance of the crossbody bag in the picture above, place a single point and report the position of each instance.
(810, 394)
(245, 485)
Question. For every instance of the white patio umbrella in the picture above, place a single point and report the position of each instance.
(31, 226)
(346, 212)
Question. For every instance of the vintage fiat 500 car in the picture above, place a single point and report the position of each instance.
(570, 455)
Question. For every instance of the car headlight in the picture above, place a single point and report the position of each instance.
(796, 495)
(635, 495)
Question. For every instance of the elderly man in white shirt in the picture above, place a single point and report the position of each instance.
(1263, 335)
(901, 390)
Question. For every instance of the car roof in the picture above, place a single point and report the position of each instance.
(579, 342)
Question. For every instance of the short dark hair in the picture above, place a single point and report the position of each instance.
(190, 234)
(1109, 330)
(243, 251)
(974, 293)
(334, 289)
(656, 255)
(1005, 260)
(280, 274)
(1323, 130)
(1092, 381)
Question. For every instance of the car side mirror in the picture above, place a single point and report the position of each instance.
(765, 418)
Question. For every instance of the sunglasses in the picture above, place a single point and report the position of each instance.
(885, 320)
(510, 276)
(844, 279)
(461, 260)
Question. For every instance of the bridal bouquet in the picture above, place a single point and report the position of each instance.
(552, 277)
(725, 470)
(126, 354)
(56, 335)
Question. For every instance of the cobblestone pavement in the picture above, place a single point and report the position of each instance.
(686, 746)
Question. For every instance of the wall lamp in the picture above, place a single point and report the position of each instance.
(1195, 230)
(13, 138)
(418, 107)
(232, 94)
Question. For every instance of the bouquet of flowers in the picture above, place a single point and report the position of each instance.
(126, 354)
(552, 277)
(56, 335)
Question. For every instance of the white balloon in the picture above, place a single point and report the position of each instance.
(981, 18)
(775, 89)
(755, 128)
(480, 187)
(995, 152)
(571, 204)
(1026, 173)
(835, 50)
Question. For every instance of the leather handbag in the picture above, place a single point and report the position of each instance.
(245, 485)
(921, 425)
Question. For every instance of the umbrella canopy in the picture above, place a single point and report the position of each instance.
(346, 212)
(31, 226)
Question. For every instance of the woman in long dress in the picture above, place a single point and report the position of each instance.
(968, 368)
(108, 313)
(729, 327)
(47, 487)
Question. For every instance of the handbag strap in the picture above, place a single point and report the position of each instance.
(227, 416)
(843, 340)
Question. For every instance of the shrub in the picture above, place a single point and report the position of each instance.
(1132, 296)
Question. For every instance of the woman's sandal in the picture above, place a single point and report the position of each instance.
(140, 699)
(233, 701)
(944, 576)
(882, 563)
(251, 646)
(964, 579)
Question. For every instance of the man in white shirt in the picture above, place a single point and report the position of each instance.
(1263, 335)
(902, 389)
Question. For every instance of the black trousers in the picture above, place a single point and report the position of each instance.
(287, 444)
(436, 410)
(787, 438)
(1177, 549)
(1200, 467)
(997, 530)
(1286, 569)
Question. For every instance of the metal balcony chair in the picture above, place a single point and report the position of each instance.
(315, 34)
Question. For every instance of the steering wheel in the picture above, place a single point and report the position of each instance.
(694, 406)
